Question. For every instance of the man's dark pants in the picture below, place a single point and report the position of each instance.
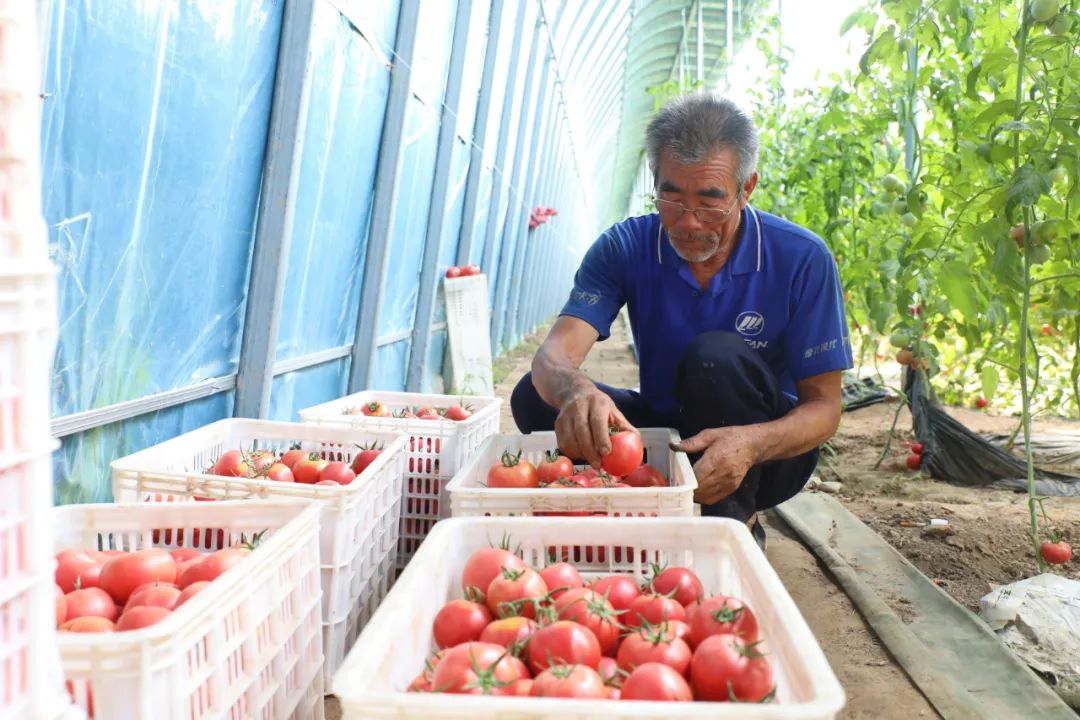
(720, 382)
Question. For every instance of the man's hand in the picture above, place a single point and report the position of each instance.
(582, 428)
(728, 454)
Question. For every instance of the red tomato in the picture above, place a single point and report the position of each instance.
(655, 644)
(75, 566)
(191, 591)
(569, 681)
(453, 271)
(292, 457)
(457, 413)
(375, 409)
(620, 590)
(626, 454)
(482, 567)
(261, 461)
(476, 668)
(913, 462)
(981, 402)
(89, 602)
(460, 621)
(516, 592)
(339, 472)
(470, 270)
(917, 448)
(232, 464)
(723, 615)
(561, 577)
(184, 554)
(280, 472)
(645, 476)
(724, 668)
(143, 616)
(679, 628)
(419, 684)
(307, 471)
(656, 681)
(564, 642)
(512, 472)
(164, 596)
(88, 624)
(211, 566)
(609, 671)
(512, 633)
(521, 687)
(588, 609)
(685, 585)
(61, 606)
(654, 609)
(553, 467)
(365, 457)
(1055, 553)
(614, 693)
(123, 573)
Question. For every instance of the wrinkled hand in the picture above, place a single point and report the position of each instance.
(582, 428)
(728, 454)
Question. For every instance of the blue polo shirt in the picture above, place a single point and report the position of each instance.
(780, 291)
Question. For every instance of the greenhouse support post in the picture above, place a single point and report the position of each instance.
(479, 135)
(384, 199)
(429, 281)
(277, 205)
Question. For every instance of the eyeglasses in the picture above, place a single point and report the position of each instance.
(703, 214)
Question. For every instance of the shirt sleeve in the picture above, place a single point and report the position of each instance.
(817, 340)
(598, 293)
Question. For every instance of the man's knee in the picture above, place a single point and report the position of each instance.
(531, 413)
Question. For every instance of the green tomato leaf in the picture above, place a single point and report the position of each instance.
(990, 380)
(956, 282)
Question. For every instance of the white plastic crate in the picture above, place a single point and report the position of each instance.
(392, 649)
(247, 646)
(359, 521)
(436, 449)
(469, 494)
(468, 332)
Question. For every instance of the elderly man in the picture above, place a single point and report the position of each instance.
(737, 316)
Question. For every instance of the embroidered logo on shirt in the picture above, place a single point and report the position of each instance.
(749, 323)
(584, 297)
(818, 349)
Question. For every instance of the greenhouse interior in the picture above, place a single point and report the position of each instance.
(518, 358)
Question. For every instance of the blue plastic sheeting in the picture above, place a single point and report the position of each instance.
(431, 59)
(295, 391)
(473, 71)
(390, 365)
(326, 260)
(433, 379)
(483, 205)
(455, 207)
(150, 183)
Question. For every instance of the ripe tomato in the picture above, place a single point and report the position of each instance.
(723, 615)
(123, 573)
(561, 577)
(476, 668)
(654, 609)
(917, 448)
(280, 472)
(460, 621)
(620, 590)
(681, 581)
(655, 681)
(590, 610)
(294, 456)
(427, 412)
(609, 671)
(553, 467)
(164, 596)
(655, 644)
(512, 633)
(1055, 553)
(565, 642)
(261, 460)
(137, 618)
(512, 472)
(453, 271)
(482, 567)
(231, 464)
(626, 454)
(75, 566)
(61, 606)
(338, 472)
(184, 554)
(457, 413)
(365, 457)
(914, 461)
(88, 624)
(470, 270)
(375, 409)
(981, 402)
(211, 566)
(307, 471)
(90, 602)
(645, 476)
(516, 592)
(520, 687)
(725, 668)
(679, 628)
(569, 681)
(190, 591)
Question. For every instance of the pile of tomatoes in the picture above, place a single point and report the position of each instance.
(455, 271)
(621, 468)
(114, 590)
(296, 465)
(548, 633)
(377, 408)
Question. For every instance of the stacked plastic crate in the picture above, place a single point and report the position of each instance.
(31, 684)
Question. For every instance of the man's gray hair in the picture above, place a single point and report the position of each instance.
(694, 126)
